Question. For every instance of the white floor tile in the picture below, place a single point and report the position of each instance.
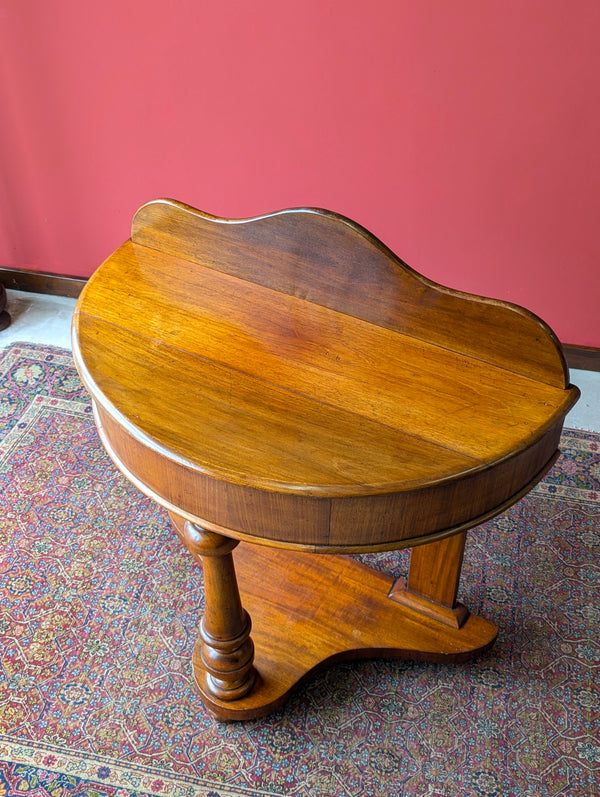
(586, 413)
(37, 318)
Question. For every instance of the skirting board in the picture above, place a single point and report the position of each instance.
(586, 358)
(39, 282)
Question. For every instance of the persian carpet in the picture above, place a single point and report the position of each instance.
(99, 609)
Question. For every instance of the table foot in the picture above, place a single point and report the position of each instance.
(454, 616)
(433, 578)
(309, 611)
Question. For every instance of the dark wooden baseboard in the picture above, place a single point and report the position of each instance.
(40, 282)
(586, 358)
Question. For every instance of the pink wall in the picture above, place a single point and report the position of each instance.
(465, 134)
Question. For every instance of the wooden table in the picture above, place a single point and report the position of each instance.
(288, 381)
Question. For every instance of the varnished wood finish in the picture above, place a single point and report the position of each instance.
(311, 610)
(433, 579)
(225, 650)
(330, 260)
(287, 380)
(303, 402)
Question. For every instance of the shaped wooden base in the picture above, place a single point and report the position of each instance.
(310, 610)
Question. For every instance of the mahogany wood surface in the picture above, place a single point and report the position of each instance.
(225, 649)
(433, 579)
(287, 380)
(311, 610)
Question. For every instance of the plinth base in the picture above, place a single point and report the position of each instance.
(309, 611)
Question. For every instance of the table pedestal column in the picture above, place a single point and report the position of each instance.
(224, 653)
(433, 579)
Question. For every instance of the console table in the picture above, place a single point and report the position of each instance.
(287, 382)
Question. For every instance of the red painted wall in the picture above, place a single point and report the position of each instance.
(465, 134)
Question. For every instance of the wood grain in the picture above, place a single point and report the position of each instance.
(287, 380)
(239, 391)
(225, 649)
(309, 611)
(308, 350)
(330, 260)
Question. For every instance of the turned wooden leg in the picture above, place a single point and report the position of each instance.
(224, 654)
(433, 579)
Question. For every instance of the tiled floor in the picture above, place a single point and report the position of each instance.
(47, 319)
(37, 318)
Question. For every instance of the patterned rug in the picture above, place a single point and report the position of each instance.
(99, 608)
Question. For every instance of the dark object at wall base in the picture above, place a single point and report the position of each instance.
(4, 316)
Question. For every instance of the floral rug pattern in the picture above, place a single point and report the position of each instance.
(98, 614)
